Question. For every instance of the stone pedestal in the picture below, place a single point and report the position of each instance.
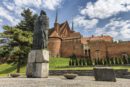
(38, 64)
(104, 74)
(41, 70)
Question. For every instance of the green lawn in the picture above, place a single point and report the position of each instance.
(54, 64)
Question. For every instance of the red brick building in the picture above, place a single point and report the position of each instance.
(64, 42)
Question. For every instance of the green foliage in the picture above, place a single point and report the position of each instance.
(20, 38)
(73, 62)
(77, 62)
(70, 63)
(4, 51)
(27, 24)
(19, 44)
(80, 62)
(129, 59)
(83, 62)
(105, 61)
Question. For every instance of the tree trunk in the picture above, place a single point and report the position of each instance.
(18, 65)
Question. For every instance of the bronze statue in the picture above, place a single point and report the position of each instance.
(40, 36)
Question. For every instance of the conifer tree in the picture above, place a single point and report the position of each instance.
(19, 39)
(27, 24)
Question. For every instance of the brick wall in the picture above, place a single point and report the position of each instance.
(54, 46)
(70, 47)
(117, 49)
(97, 50)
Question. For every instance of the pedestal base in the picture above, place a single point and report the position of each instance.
(38, 66)
(37, 70)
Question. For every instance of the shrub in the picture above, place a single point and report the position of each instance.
(124, 60)
(129, 60)
(116, 61)
(70, 62)
(76, 62)
(119, 61)
(84, 62)
(80, 62)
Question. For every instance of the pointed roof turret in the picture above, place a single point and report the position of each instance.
(72, 25)
(56, 19)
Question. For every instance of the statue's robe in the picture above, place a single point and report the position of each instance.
(40, 37)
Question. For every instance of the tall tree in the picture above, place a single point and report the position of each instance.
(20, 39)
(27, 24)
(18, 46)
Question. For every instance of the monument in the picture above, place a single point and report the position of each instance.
(38, 58)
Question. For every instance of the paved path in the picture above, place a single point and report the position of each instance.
(61, 82)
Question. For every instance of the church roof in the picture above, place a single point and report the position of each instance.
(54, 34)
(63, 30)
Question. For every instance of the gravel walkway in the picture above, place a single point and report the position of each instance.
(58, 81)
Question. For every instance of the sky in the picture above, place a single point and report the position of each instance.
(90, 17)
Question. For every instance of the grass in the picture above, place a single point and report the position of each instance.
(54, 64)
(5, 69)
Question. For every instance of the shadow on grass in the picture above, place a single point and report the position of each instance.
(11, 69)
(8, 70)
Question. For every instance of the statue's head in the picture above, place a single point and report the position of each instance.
(43, 12)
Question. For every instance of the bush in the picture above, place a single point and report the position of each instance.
(116, 61)
(119, 61)
(129, 60)
(73, 63)
(70, 62)
(84, 62)
(76, 62)
(80, 62)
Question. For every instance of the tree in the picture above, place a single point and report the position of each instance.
(18, 46)
(20, 39)
(4, 53)
(27, 24)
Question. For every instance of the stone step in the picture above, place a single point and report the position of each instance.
(128, 73)
(126, 76)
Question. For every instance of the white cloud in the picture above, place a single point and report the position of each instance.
(9, 6)
(119, 29)
(94, 12)
(48, 4)
(81, 21)
(105, 8)
(126, 31)
(11, 10)
(22, 3)
(1, 20)
(5, 14)
(51, 4)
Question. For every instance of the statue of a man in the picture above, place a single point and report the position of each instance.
(40, 36)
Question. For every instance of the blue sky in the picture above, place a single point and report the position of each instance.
(91, 17)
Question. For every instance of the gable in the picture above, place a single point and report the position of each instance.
(64, 30)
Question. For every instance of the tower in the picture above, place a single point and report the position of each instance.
(56, 19)
(56, 25)
(72, 25)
